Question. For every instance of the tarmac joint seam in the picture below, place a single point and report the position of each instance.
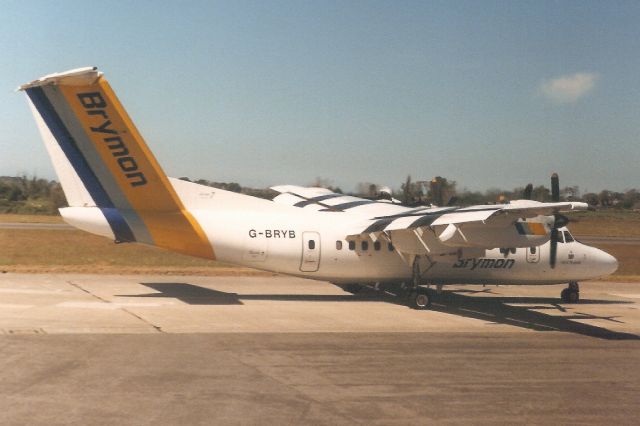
(103, 300)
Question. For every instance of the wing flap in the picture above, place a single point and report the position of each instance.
(464, 216)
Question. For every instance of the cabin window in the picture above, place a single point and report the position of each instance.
(312, 245)
(376, 246)
(365, 245)
(338, 245)
(352, 245)
(390, 247)
(567, 237)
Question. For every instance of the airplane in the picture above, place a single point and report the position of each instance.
(116, 188)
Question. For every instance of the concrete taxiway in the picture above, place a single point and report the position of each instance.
(255, 350)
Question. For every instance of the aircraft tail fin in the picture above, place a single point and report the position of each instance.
(102, 161)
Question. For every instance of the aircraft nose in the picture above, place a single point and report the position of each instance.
(608, 264)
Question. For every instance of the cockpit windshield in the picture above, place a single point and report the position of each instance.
(568, 238)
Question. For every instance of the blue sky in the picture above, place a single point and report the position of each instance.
(490, 94)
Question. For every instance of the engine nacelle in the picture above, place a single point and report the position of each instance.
(520, 234)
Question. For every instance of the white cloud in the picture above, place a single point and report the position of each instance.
(568, 88)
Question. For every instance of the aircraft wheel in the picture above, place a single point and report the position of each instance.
(573, 296)
(569, 295)
(419, 300)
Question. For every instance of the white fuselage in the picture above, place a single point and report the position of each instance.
(264, 235)
(280, 245)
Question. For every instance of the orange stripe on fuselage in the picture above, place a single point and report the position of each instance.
(135, 169)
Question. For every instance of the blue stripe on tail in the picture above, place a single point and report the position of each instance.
(119, 226)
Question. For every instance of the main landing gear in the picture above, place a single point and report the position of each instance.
(417, 297)
(571, 294)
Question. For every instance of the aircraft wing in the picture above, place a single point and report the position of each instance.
(400, 217)
(478, 227)
(520, 223)
(322, 199)
(480, 214)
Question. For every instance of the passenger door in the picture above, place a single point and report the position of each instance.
(310, 252)
(533, 254)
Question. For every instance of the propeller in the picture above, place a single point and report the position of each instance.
(555, 188)
(558, 221)
(553, 253)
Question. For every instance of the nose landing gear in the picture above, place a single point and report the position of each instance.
(571, 294)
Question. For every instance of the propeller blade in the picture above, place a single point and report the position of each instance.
(554, 248)
(555, 188)
(528, 190)
(560, 220)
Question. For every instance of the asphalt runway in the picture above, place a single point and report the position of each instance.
(78, 349)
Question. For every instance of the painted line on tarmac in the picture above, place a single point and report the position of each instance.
(630, 296)
(15, 306)
(110, 305)
(29, 291)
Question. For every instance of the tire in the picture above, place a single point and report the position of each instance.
(420, 300)
(573, 296)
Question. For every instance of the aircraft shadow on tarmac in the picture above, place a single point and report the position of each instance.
(523, 312)
(515, 311)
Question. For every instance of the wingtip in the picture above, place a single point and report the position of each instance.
(76, 76)
(578, 206)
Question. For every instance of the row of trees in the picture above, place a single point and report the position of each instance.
(236, 187)
(441, 192)
(30, 195)
(40, 196)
